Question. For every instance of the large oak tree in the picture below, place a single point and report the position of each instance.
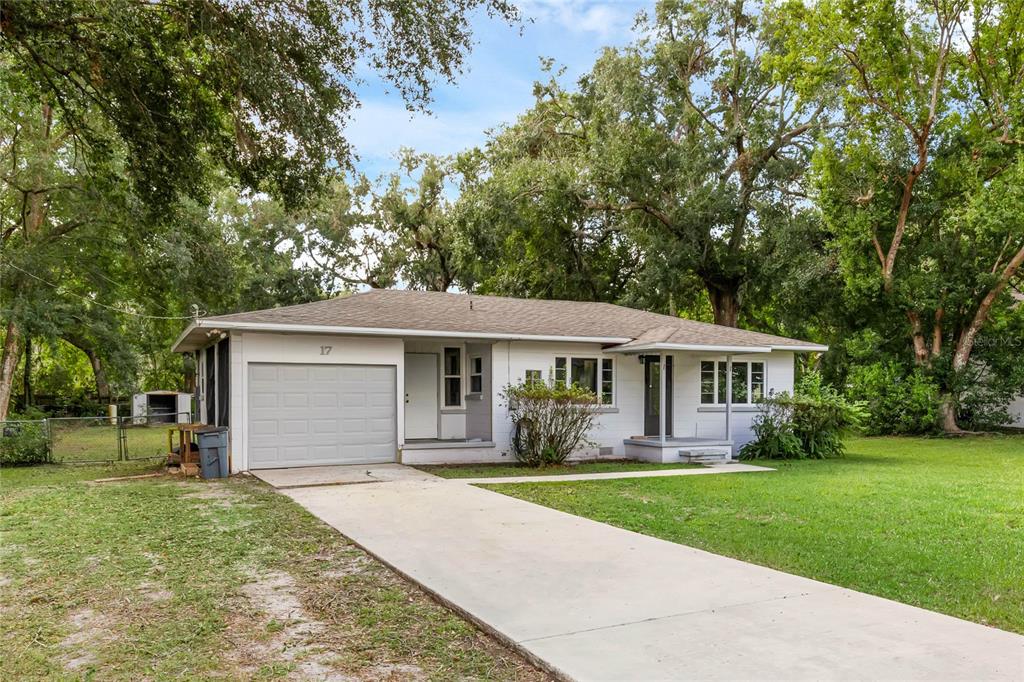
(158, 99)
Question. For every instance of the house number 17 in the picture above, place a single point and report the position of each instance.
(325, 350)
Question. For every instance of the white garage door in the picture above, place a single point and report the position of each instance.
(304, 415)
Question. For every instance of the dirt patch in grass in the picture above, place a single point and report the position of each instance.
(88, 630)
(162, 578)
(291, 635)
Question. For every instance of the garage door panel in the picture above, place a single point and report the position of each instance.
(324, 426)
(262, 373)
(293, 373)
(324, 400)
(263, 427)
(321, 414)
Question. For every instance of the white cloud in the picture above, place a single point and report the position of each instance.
(609, 21)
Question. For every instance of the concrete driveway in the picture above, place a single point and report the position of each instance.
(593, 602)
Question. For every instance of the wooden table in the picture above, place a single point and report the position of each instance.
(185, 431)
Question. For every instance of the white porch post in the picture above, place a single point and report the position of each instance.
(661, 391)
(728, 397)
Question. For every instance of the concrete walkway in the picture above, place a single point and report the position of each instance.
(594, 602)
(608, 475)
(340, 474)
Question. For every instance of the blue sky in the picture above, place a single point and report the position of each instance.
(497, 82)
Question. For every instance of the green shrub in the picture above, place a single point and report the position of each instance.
(807, 425)
(550, 421)
(23, 443)
(898, 401)
(773, 432)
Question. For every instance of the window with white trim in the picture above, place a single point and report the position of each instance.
(476, 374)
(533, 376)
(747, 382)
(560, 371)
(597, 375)
(452, 377)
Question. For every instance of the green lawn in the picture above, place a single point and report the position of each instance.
(163, 578)
(495, 470)
(937, 523)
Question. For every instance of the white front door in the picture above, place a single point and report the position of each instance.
(420, 395)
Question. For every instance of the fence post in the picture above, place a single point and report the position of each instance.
(121, 436)
(49, 438)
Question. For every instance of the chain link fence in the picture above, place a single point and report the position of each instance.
(82, 440)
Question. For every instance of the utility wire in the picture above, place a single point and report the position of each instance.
(95, 302)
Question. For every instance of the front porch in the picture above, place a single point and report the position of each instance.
(670, 449)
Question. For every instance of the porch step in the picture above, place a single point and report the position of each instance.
(706, 455)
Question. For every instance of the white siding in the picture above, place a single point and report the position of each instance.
(708, 421)
(511, 359)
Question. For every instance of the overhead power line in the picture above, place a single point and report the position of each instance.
(116, 309)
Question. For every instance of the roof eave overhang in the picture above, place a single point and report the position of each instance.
(189, 340)
(667, 347)
(713, 348)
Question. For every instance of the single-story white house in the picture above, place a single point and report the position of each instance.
(417, 377)
(1016, 410)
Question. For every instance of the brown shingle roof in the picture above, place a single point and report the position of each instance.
(470, 313)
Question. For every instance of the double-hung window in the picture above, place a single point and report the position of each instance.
(452, 377)
(747, 382)
(597, 375)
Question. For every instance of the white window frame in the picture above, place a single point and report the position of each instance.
(461, 376)
(600, 359)
(717, 362)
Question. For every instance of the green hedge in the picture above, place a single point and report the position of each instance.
(807, 425)
(24, 443)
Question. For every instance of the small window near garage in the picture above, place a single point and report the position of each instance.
(607, 382)
(476, 374)
(533, 376)
(452, 377)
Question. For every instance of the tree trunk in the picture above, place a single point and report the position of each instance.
(100, 374)
(26, 375)
(947, 414)
(8, 363)
(725, 302)
(98, 371)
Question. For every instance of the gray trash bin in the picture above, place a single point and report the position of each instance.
(213, 452)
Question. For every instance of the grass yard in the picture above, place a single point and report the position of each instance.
(495, 470)
(164, 578)
(938, 523)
